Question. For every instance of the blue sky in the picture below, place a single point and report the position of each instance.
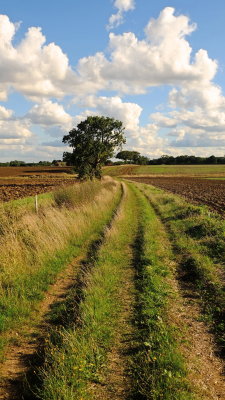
(158, 66)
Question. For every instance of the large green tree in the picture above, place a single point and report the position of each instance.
(93, 142)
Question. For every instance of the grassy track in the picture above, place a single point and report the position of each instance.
(35, 248)
(82, 353)
(154, 233)
(157, 368)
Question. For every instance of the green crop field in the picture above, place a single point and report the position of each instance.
(186, 170)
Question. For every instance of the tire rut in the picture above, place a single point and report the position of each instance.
(117, 383)
(117, 380)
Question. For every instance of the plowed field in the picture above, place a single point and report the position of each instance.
(28, 171)
(18, 182)
(200, 191)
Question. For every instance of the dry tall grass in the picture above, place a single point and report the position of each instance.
(28, 242)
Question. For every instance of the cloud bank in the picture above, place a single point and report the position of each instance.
(194, 116)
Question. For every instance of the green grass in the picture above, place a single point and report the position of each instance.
(158, 366)
(217, 178)
(198, 238)
(77, 353)
(81, 355)
(78, 357)
(42, 247)
(174, 170)
(28, 203)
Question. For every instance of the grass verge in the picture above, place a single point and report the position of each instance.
(198, 240)
(157, 366)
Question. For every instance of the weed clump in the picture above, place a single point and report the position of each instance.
(205, 226)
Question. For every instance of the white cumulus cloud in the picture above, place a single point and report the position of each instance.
(33, 68)
(114, 107)
(163, 57)
(15, 129)
(5, 113)
(49, 114)
(118, 18)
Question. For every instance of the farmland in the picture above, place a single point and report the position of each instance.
(202, 184)
(18, 182)
(95, 306)
(210, 192)
(167, 170)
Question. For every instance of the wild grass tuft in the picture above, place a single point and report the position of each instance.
(77, 195)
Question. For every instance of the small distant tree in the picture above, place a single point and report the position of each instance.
(133, 157)
(128, 156)
(93, 143)
(17, 163)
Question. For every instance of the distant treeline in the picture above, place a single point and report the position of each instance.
(134, 157)
(17, 163)
(187, 160)
(127, 157)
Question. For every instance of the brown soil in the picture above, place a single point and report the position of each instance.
(17, 361)
(12, 189)
(199, 191)
(27, 171)
(19, 182)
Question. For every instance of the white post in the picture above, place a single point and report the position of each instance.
(36, 203)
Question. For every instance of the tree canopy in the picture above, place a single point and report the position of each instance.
(93, 142)
(127, 155)
(133, 157)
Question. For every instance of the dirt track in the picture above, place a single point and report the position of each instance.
(200, 191)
